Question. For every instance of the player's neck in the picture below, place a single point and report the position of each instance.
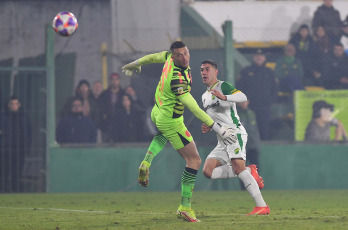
(213, 84)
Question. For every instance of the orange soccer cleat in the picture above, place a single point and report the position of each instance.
(260, 211)
(256, 175)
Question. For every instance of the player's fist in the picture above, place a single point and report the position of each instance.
(218, 94)
(131, 67)
(205, 128)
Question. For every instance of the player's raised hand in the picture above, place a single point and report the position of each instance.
(218, 94)
(205, 128)
(131, 67)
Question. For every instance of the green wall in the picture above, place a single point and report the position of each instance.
(115, 169)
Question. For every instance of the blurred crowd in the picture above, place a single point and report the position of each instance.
(315, 60)
(91, 115)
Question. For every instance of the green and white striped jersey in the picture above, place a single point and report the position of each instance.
(223, 112)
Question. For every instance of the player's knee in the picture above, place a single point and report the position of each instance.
(238, 166)
(207, 172)
(194, 162)
(198, 162)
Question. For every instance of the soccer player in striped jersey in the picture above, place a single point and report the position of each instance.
(172, 95)
(228, 160)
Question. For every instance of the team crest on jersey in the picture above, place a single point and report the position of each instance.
(180, 90)
(213, 97)
(236, 151)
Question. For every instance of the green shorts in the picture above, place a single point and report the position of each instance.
(173, 129)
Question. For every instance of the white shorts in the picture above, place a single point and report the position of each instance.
(224, 153)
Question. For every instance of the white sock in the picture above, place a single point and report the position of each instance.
(252, 187)
(224, 171)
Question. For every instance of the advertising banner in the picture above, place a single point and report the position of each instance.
(327, 105)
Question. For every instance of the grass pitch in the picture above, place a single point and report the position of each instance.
(317, 209)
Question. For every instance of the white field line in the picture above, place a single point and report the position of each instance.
(54, 209)
(156, 213)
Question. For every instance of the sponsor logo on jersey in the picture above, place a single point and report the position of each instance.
(180, 90)
(217, 103)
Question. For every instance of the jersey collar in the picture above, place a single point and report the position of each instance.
(213, 85)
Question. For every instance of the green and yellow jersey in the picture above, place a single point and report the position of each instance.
(173, 89)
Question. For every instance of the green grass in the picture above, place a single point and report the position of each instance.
(316, 209)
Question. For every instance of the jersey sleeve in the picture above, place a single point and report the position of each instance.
(160, 57)
(232, 94)
(192, 105)
(228, 89)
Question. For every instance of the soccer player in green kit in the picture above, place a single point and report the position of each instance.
(172, 96)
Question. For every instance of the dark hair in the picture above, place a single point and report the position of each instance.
(211, 62)
(114, 74)
(303, 26)
(338, 44)
(318, 105)
(83, 82)
(75, 99)
(177, 45)
(13, 97)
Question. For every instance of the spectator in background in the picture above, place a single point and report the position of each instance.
(131, 121)
(110, 104)
(318, 128)
(328, 17)
(90, 106)
(17, 139)
(75, 127)
(135, 100)
(336, 69)
(258, 82)
(289, 70)
(344, 35)
(97, 89)
(150, 129)
(322, 47)
(304, 44)
(248, 119)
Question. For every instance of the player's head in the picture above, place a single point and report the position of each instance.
(14, 104)
(180, 54)
(322, 110)
(209, 72)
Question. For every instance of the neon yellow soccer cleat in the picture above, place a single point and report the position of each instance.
(143, 176)
(187, 214)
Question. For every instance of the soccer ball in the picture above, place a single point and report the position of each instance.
(65, 24)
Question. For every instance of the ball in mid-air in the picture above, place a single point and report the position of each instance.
(65, 24)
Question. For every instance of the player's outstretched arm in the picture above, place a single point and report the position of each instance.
(238, 96)
(147, 59)
(227, 134)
